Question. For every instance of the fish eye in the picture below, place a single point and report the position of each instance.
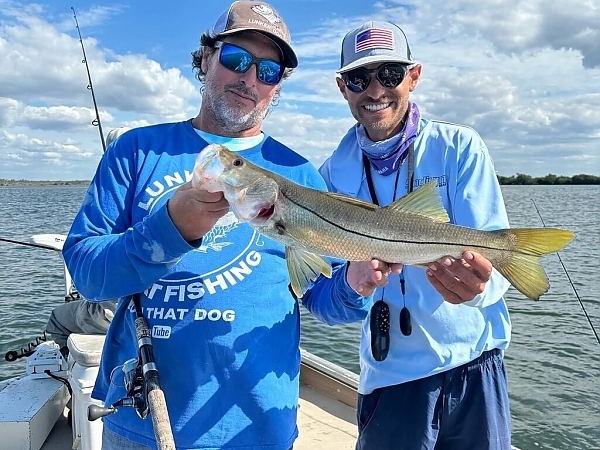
(237, 162)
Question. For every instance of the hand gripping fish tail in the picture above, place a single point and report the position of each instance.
(414, 230)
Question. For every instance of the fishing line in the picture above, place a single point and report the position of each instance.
(154, 396)
(571, 282)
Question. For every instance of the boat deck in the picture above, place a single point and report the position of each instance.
(324, 423)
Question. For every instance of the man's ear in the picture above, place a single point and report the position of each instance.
(341, 86)
(205, 55)
(415, 75)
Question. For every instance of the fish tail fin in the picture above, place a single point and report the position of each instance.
(527, 275)
(524, 270)
(303, 268)
(541, 241)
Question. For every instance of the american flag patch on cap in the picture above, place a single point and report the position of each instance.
(374, 38)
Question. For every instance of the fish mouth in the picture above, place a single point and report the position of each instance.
(207, 169)
(259, 216)
(266, 212)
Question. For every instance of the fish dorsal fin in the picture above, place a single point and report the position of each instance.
(352, 201)
(425, 201)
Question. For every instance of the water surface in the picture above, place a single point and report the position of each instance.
(553, 362)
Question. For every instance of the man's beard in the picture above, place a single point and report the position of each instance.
(230, 118)
(387, 124)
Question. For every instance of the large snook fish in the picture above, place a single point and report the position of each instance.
(412, 230)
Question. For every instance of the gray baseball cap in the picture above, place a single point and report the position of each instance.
(374, 42)
(261, 17)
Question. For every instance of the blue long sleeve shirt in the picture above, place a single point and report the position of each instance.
(225, 326)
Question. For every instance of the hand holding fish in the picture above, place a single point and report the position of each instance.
(460, 280)
(366, 276)
(194, 211)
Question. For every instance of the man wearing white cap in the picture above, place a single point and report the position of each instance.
(431, 354)
(225, 327)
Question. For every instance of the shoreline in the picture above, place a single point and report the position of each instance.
(31, 183)
(565, 181)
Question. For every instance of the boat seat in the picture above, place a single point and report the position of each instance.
(86, 349)
(84, 360)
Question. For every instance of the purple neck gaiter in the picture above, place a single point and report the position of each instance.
(387, 156)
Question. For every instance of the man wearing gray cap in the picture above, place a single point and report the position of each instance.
(431, 354)
(225, 327)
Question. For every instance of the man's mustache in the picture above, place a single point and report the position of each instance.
(243, 89)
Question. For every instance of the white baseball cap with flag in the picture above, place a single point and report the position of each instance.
(374, 42)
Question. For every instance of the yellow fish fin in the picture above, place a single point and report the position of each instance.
(524, 270)
(527, 275)
(303, 268)
(541, 241)
(425, 201)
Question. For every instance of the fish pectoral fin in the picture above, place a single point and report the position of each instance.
(425, 201)
(304, 267)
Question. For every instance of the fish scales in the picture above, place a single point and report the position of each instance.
(320, 225)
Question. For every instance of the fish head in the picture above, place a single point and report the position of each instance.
(250, 191)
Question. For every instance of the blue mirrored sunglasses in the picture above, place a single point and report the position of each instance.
(240, 60)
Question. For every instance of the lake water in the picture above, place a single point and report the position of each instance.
(553, 362)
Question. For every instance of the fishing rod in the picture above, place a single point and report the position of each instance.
(96, 122)
(143, 387)
(570, 282)
(29, 244)
(51, 242)
(141, 374)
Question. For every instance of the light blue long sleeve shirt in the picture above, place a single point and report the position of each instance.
(444, 335)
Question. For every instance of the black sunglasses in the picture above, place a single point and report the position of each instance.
(240, 60)
(390, 75)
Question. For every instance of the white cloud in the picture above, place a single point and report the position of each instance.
(313, 138)
(524, 74)
(525, 26)
(43, 94)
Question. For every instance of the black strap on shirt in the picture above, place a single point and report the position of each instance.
(380, 312)
(411, 174)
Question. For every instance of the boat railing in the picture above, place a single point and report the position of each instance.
(329, 378)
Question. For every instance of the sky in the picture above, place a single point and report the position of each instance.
(524, 73)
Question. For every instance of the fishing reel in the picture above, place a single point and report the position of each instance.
(137, 396)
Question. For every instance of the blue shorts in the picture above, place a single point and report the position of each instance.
(465, 408)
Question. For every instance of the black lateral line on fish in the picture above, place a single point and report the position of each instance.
(460, 244)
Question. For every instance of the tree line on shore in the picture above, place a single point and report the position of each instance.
(519, 179)
(5, 182)
(550, 179)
